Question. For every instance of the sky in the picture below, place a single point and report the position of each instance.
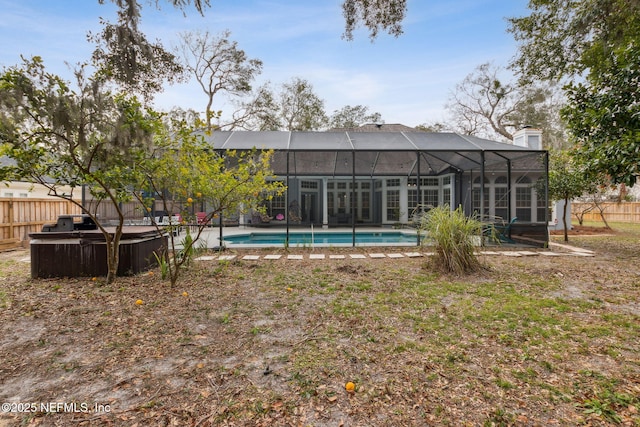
(407, 79)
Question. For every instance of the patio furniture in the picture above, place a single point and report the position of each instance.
(341, 218)
(69, 223)
(502, 231)
(201, 218)
(293, 217)
(259, 218)
(294, 212)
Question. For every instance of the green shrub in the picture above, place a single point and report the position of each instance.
(453, 235)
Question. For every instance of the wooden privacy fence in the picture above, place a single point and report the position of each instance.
(21, 216)
(613, 212)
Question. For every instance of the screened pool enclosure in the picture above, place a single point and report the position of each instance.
(384, 179)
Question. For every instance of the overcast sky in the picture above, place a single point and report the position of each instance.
(407, 79)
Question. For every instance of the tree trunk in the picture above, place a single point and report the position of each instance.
(113, 254)
(564, 220)
(604, 220)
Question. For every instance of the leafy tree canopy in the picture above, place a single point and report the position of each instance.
(353, 117)
(604, 116)
(184, 170)
(593, 46)
(386, 15)
(567, 180)
(294, 106)
(60, 137)
(564, 38)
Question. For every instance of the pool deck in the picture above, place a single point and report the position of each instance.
(382, 251)
(211, 237)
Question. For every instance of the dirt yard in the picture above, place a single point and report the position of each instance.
(531, 341)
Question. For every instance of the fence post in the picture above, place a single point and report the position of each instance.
(11, 219)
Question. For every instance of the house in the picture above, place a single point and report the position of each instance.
(23, 189)
(382, 178)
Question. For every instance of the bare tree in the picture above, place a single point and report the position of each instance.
(485, 105)
(218, 66)
(482, 102)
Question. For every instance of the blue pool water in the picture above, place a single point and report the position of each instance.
(322, 238)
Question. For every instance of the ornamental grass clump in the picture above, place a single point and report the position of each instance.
(453, 235)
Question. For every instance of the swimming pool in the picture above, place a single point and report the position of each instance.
(323, 238)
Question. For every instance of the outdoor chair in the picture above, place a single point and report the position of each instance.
(294, 217)
(201, 218)
(503, 231)
(259, 218)
(294, 210)
(176, 224)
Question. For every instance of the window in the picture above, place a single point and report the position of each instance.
(342, 202)
(446, 196)
(430, 197)
(501, 198)
(523, 198)
(393, 205)
(424, 182)
(477, 184)
(365, 205)
(274, 204)
(412, 199)
(541, 208)
(434, 190)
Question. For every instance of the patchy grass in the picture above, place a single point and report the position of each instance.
(528, 341)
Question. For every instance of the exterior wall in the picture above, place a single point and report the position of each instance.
(27, 190)
(378, 200)
(522, 202)
(391, 200)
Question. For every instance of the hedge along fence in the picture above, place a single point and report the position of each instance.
(21, 216)
(613, 212)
